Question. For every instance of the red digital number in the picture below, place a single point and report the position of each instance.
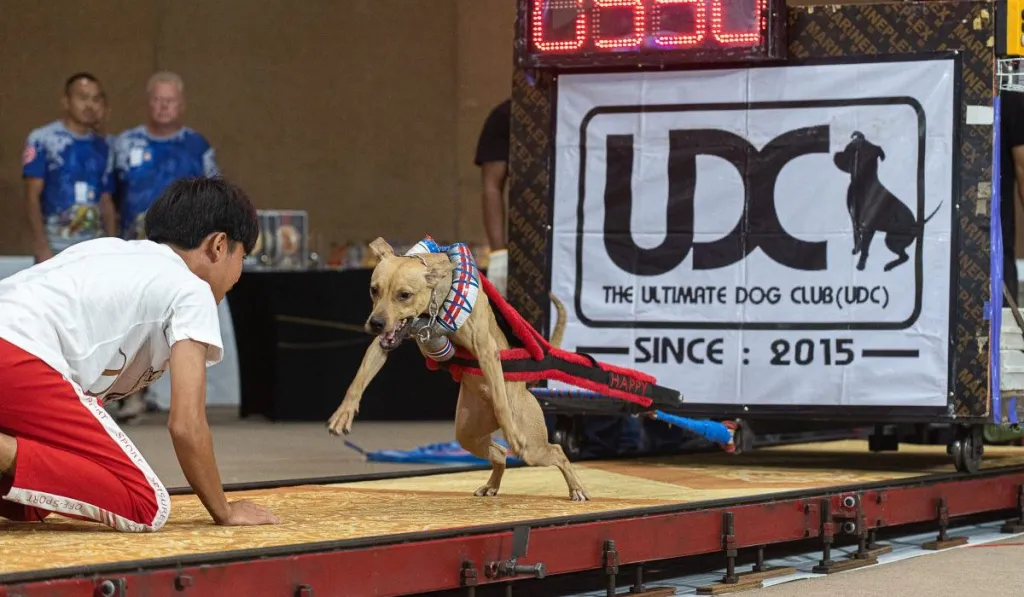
(647, 17)
(687, 39)
(537, 19)
(639, 24)
(735, 38)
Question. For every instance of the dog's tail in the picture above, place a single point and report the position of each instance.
(559, 332)
(932, 214)
(556, 334)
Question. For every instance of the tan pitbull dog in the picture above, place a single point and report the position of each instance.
(403, 288)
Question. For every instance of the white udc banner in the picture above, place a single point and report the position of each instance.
(764, 236)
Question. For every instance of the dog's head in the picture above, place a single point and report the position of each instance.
(402, 289)
(858, 155)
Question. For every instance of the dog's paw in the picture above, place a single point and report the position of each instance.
(486, 491)
(578, 495)
(341, 421)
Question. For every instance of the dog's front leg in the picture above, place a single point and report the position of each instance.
(490, 364)
(373, 360)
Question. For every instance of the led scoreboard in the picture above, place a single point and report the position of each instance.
(582, 33)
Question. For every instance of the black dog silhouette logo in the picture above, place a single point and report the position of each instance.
(873, 207)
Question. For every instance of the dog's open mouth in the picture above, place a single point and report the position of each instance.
(391, 340)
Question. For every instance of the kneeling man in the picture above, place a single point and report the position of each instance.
(99, 321)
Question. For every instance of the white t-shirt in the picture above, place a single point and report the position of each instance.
(105, 313)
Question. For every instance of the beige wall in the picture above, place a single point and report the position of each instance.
(486, 30)
(364, 112)
(311, 104)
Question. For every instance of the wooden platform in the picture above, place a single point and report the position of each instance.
(319, 513)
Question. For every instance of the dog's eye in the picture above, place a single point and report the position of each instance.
(373, 291)
(404, 296)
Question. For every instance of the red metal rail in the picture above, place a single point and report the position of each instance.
(417, 564)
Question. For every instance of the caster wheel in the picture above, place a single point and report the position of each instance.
(967, 448)
(566, 436)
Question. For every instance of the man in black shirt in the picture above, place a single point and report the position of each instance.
(1011, 171)
(492, 152)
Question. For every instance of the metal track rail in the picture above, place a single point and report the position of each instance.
(468, 557)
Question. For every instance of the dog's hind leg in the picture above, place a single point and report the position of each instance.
(898, 244)
(552, 455)
(540, 452)
(484, 447)
(903, 258)
(547, 454)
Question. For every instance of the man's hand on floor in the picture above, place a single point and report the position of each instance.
(246, 513)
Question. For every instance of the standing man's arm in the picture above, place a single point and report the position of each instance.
(1017, 151)
(492, 155)
(1012, 129)
(493, 178)
(33, 170)
(109, 214)
(108, 211)
(210, 167)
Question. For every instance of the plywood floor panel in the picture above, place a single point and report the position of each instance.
(444, 502)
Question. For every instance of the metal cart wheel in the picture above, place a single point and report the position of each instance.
(567, 435)
(967, 448)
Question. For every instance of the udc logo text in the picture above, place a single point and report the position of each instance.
(784, 200)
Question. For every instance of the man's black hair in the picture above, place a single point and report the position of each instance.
(190, 209)
(75, 77)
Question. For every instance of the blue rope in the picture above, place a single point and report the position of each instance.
(710, 430)
(437, 453)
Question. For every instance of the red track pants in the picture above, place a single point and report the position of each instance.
(72, 457)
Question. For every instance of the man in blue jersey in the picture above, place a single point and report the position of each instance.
(147, 159)
(151, 156)
(68, 174)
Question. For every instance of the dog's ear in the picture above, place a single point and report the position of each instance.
(381, 249)
(438, 268)
(881, 153)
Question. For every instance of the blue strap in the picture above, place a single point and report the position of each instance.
(710, 430)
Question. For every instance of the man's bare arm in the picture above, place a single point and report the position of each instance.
(109, 213)
(193, 442)
(493, 176)
(33, 192)
(189, 429)
(1017, 153)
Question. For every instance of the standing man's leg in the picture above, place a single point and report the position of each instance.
(61, 452)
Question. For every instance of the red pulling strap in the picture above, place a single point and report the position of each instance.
(536, 348)
(457, 371)
(535, 344)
